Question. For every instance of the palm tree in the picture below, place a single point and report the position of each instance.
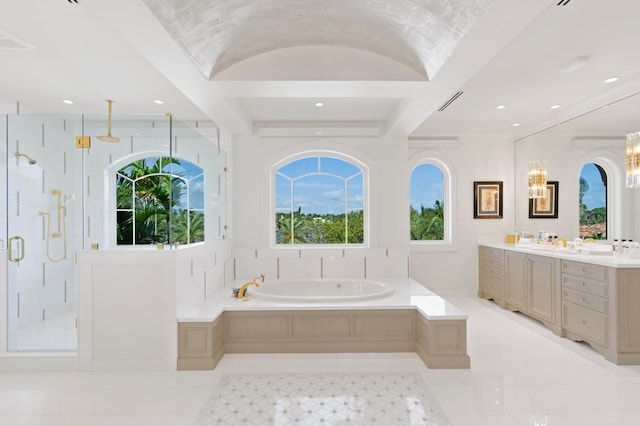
(149, 193)
(188, 227)
(292, 230)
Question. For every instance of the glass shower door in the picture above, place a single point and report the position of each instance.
(43, 230)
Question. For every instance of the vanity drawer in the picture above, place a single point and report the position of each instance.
(491, 252)
(596, 303)
(494, 270)
(598, 288)
(585, 323)
(586, 270)
(491, 287)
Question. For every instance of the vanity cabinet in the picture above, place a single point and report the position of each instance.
(515, 280)
(491, 273)
(585, 302)
(530, 285)
(596, 301)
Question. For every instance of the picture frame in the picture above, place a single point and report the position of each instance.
(487, 200)
(545, 208)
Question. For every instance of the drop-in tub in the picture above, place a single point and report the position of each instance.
(324, 315)
(321, 291)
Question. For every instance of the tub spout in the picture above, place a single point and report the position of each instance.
(242, 293)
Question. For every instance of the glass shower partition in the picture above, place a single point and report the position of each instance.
(62, 197)
(43, 230)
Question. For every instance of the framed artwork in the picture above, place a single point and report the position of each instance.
(547, 207)
(487, 200)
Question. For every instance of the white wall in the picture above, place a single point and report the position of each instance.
(443, 269)
(250, 171)
(472, 157)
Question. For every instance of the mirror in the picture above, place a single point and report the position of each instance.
(598, 137)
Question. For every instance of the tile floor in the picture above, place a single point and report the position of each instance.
(521, 375)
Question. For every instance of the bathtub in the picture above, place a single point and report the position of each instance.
(315, 316)
(321, 290)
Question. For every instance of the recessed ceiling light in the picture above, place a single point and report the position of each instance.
(319, 104)
(554, 106)
(501, 107)
(158, 101)
(611, 79)
(67, 101)
(515, 124)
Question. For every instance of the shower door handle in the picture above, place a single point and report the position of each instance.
(10, 244)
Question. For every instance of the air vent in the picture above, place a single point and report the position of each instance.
(450, 101)
(563, 2)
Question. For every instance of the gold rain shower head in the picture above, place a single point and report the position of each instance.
(109, 138)
(31, 160)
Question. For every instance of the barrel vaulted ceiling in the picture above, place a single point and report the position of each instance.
(403, 68)
(421, 34)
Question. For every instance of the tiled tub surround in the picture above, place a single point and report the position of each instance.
(590, 298)
(287, 263)
(412, 319)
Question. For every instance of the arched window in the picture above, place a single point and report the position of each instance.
(593, 201)
(429, 206)
(159, 200)
(320, 199)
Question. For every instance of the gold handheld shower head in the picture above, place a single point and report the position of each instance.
(109, 138)
(29, 159)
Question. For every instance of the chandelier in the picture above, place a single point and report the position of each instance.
(633, 160)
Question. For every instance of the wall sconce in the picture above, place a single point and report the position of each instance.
(633, 160)
(537, 179)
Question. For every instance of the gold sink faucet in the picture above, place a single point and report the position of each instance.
(560, 242)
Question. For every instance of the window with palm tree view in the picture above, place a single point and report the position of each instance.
(427, 203)
(160, 200)
(593, 202)
(319, 200)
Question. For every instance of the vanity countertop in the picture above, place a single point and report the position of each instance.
(612, 261)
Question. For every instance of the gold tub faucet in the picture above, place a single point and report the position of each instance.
(242, 293)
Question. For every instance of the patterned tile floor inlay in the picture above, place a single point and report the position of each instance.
(322, 399)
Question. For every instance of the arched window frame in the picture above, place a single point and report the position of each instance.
(111, 198)
(319, 153)
(448, 176)
(615, 184)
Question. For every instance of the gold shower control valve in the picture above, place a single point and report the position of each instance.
(83, 141)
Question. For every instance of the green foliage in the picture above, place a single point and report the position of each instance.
(291, 230)
(320, 229)
(144, 207)
(187, 226)
(428, 223)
